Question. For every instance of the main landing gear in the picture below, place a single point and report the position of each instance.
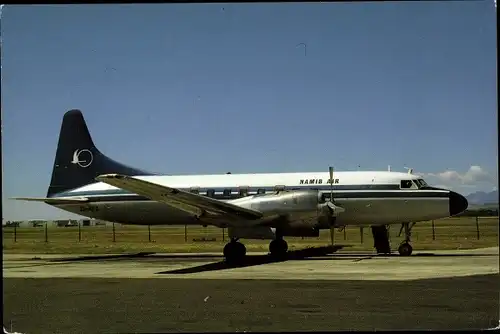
(235, 251)
(278, 248)
(382, 244)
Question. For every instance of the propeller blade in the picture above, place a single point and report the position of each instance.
(330, 170)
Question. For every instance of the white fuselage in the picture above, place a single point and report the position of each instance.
(369, 198)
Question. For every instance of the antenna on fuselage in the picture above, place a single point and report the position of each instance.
(410, 170)
(388, 168)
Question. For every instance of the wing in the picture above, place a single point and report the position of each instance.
(53, 200)
(183, 200)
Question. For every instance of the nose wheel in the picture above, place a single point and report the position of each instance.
(405, 249)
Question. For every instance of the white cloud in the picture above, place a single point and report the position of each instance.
(474, 179)
(474, 175)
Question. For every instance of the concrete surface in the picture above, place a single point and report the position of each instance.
(309, 292)
(345, 266)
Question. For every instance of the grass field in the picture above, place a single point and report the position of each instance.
(451, 233)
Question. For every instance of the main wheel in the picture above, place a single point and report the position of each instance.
(234, 252)
(405, 249)
(278, 247)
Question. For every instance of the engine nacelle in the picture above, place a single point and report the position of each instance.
(292, 209)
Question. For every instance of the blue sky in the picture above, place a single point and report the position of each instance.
(210, 88)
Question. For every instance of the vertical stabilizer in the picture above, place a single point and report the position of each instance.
(78, 162)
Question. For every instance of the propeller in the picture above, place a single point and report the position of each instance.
(330, 204)
(330, 170)
(328, 208)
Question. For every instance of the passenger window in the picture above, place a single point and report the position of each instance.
(227, 192)
(406, 184)
(261, 191)
(210, 192)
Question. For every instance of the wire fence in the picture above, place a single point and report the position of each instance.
(461, 227)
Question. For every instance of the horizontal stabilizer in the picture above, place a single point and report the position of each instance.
(189, 202)
(53, 200)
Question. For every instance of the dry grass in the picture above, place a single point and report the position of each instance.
(451, 233)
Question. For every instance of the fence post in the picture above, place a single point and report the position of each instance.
(15, 232)
(345, 236)
(114, 237)
(361, 233)
(185, 233)
(477, 227)
(149, 232)
(223, 234)
(46, 233)
(433, 231)
(332, 235)
(79, 232)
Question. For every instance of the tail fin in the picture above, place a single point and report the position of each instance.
(78, 162)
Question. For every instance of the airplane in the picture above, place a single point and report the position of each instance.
(251, 206)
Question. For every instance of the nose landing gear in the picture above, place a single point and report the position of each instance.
(405, 248)
(382, 244)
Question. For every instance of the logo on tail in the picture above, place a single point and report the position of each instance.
(82, 158)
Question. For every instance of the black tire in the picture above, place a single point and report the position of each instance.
(405, 249)
(278, 248)
(234, 252)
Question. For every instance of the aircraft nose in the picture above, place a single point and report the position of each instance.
(458, 203)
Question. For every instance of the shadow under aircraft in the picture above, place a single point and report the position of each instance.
(256, 260)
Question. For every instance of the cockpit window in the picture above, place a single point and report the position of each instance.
(406, 184)
(421, 183)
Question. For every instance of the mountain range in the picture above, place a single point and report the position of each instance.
(483, 198)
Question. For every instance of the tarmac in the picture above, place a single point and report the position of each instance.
(314, 289)
(340, 266)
